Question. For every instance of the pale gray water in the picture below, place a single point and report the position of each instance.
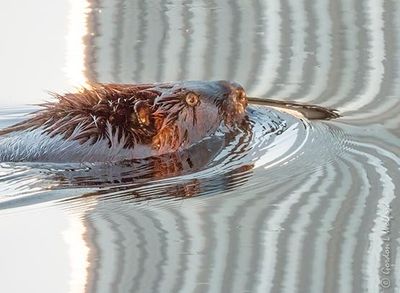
(312, 208)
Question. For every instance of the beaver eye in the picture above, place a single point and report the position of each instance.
(192, 99)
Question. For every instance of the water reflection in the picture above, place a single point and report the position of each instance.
(167, 176)
(79, 29)
(312, 208)
(283, 228)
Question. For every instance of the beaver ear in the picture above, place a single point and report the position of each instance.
(142, 112)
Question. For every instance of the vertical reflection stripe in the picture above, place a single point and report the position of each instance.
(164, 22)
(298, 31)
(140, 41)
(376, 51)
(322, 51)
(198, 41)
(298, 235)
(175, 41)
(271, 60)
(349, 50)
(117, 40)
(270, 241)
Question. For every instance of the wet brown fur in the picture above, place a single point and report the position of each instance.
(94, 110)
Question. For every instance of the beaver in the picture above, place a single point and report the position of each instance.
(108, 122)
(113, 122)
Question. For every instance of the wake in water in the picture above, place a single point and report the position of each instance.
(268, 139)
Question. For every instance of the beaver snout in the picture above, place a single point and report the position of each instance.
(234, 101)
(239, 98)
(236, 98)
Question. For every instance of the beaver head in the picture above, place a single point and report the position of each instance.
(186, 112)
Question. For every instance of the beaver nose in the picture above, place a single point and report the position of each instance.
(235, 98)
(240, 101)
(236, 94)
(240, 97)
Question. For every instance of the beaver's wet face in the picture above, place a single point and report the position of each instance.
(192, 110)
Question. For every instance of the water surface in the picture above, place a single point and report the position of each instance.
(294, 206)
